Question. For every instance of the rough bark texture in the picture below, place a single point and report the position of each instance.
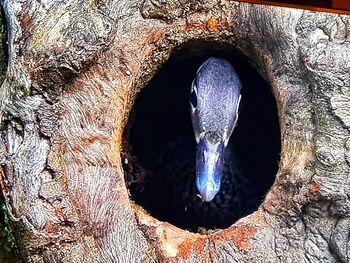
(7, 253)
(74, 70)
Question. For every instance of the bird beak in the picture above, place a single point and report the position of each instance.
(209, 169)
(208, 191)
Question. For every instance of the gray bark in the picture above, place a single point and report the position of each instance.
(75, 68)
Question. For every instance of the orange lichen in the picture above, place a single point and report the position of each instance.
(212, 24)
(187, 27)
(153, 39)
(177, 245)
(174, 243)
(51, 228)
(59, 211)
(240, 235)
(155, 36)
(314, 187)
(191, 246)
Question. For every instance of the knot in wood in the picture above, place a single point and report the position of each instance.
(329, 156)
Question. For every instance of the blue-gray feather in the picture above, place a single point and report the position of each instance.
(216, 89)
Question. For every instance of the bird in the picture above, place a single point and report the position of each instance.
(201, 180)
(187, 118)
(214, 102)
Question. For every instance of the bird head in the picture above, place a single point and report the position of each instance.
(214, 101)
(209, 162)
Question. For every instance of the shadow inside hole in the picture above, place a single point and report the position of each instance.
(161, 142)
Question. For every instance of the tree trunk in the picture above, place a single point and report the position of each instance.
(75, 69)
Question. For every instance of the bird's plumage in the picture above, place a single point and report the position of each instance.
(217, 89)
(206, 169)
(214, 102)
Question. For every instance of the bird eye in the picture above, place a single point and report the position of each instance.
(193, 98)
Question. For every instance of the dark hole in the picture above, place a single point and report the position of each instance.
(160, 147)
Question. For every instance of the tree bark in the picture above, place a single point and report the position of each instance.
(75, 68)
